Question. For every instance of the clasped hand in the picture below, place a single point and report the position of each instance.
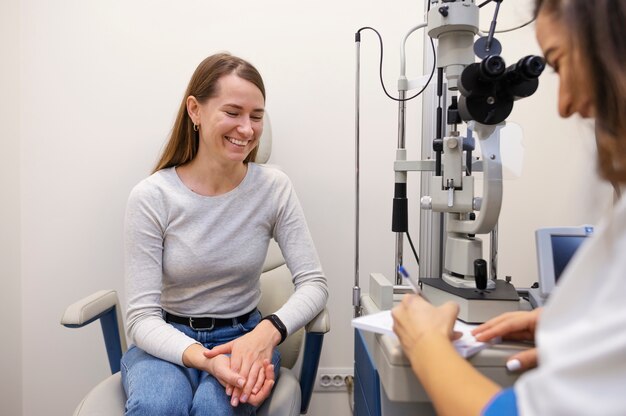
(250, 357)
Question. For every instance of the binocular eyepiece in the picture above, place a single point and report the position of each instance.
(489, 88)
(527, 68)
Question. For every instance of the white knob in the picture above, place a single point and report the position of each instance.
(426, 202)
(477, 203)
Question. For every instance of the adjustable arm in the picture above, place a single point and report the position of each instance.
(489, 136)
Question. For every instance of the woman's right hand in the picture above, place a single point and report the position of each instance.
(218, 367)
(513, 326)
(221, 369)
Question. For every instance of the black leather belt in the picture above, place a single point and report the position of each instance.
(207, 324)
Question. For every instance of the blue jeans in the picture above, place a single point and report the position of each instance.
(156, 387)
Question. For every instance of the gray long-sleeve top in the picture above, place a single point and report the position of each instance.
(193, 255)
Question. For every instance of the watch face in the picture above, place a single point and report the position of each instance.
(278, 324)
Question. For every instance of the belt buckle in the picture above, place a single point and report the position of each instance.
(202, 329)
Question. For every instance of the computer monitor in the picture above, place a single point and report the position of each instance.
(555, 248)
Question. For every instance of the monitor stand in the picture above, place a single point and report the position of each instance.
(535, 298)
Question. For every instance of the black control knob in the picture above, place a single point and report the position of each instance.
(438, 145)
(480, 274)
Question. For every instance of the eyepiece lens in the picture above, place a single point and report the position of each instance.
(493, 66)
(533, 66)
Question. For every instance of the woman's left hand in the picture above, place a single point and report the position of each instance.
(415, 319)
(249, 355)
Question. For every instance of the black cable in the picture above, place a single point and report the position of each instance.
(412, 247)
(505, 30)
(514, 28)
(380, 40)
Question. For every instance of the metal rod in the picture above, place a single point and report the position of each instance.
(430, 223)
(356, 300)
(401, 177)
(402, 120)
(399, 257)
(493, 243)
(492, 29)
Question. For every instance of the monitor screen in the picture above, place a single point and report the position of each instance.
(555, 248)
(563, 249)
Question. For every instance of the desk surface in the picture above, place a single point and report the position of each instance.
(396, 375)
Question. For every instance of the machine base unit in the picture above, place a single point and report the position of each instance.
(475, 306)
(370, 398)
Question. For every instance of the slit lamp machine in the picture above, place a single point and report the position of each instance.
(472, 81)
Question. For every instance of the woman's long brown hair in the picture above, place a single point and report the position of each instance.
(598, 35)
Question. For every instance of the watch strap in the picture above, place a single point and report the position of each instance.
(278, 324)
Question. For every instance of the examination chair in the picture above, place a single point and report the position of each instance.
(291, 395)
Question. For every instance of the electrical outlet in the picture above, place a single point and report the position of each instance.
(332, 379)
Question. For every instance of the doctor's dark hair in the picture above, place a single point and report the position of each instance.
(182, 145)
(598, 36)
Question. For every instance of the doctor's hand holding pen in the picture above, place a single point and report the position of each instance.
(414, 319)
(426, 333)
(513, 326)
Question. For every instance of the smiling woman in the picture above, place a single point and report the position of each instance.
(204, 84)
(228, 128)
(196, 236)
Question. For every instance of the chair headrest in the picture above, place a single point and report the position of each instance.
(274, 257)
(265, 142)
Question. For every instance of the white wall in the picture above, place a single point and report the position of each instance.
(100, 84)
(10, 285)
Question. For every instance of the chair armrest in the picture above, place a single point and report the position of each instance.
(319, 324)
(89, 309)
(313, 341)
(103, 306)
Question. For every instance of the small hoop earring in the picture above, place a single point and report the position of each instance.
(196, 127)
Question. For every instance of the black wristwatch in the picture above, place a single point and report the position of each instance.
(278, 324)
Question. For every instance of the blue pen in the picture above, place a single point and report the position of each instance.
(403, 271)
(406, 275)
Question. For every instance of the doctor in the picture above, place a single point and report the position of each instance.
(581, 334)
